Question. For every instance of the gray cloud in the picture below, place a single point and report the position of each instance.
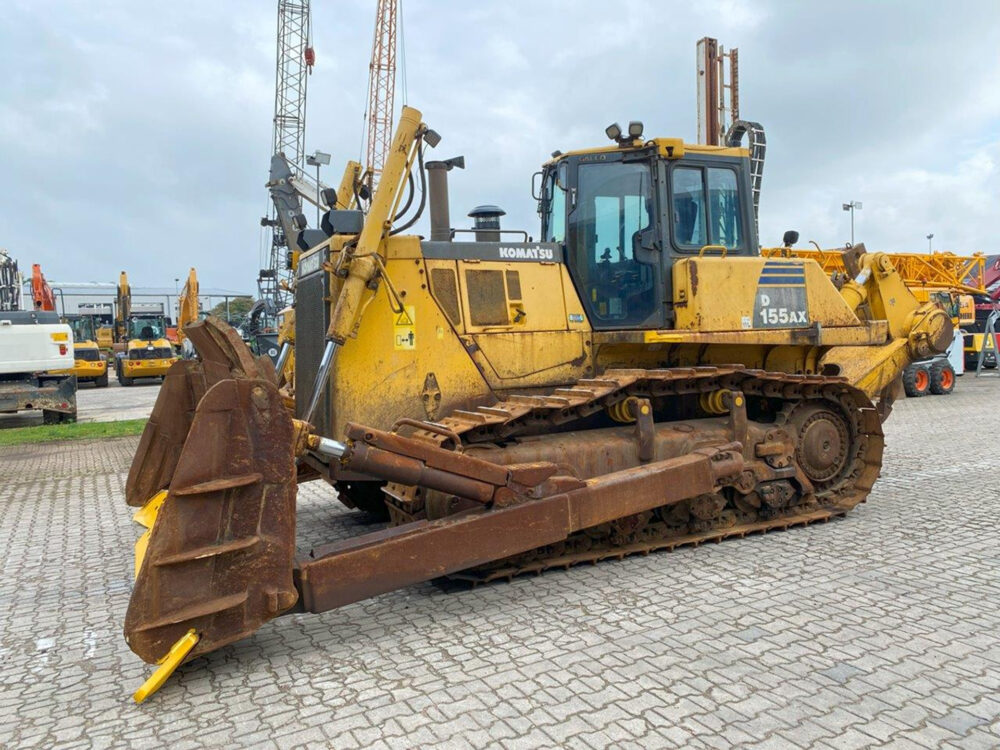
(136, 135)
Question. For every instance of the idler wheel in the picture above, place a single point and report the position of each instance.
(823, 442)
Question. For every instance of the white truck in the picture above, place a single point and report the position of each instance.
(34, 346)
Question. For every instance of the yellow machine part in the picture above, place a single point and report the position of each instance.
(187, 304)
(146, 517)
(147, 368)
(105, 338)
(88, 369)
(736, 309)
(174, 658)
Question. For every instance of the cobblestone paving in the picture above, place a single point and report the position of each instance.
(881, 628)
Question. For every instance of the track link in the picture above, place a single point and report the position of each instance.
(788, 399)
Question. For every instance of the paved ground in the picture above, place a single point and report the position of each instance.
(94, 404)
(881, 628)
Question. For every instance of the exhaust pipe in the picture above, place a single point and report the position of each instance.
(437, 187)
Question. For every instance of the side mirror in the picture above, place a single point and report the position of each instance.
(536, 186)
(789, 238)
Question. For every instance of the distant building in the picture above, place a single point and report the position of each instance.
(97, 297)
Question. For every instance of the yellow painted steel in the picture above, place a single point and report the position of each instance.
(105, 338)
(669, 148)
(424, 336)
(174, 658)
(937, 270)
(717, 294)
(345, 191)
(146, 517)
(187, 305)
(147, 368)
(366, 257)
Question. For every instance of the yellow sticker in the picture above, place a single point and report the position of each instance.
(651, 337)
(404, 330)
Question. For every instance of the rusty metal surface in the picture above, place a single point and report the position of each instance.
(221, 354)
(777, 492)
(220, 557)
(164, 434)
(221, 552)
(375, 563)
(51, 394)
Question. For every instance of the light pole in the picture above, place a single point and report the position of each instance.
(930, 248)
(317, 159)
(851, 207)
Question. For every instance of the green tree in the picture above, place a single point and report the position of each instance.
(238, 308)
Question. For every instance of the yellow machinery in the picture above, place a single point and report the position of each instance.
(143, 350)
(952, 281)
(188, 311)
(106, 338)
(89, 364)
(639, 378)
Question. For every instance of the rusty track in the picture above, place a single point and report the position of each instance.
(793, 399)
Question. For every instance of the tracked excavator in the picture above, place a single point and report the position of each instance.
(639, 378)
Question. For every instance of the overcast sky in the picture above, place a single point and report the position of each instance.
(136, 135)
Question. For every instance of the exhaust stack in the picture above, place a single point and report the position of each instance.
(437, 187)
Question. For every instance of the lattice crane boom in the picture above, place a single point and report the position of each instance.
(294, 61)
(381, 90)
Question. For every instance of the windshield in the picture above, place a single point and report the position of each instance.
(612, 217)
(146, 329)
(83, 329)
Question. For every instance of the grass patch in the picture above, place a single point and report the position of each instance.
(75, 431)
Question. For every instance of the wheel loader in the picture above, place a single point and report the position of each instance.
(142, 349)
(638, 378)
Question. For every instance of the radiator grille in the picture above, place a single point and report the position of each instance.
(487, 298)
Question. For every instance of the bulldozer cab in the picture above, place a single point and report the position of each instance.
(624, 216)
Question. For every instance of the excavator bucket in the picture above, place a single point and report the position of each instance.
(220, 552)
(222, 355)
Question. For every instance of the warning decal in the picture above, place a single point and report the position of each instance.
(404, 329)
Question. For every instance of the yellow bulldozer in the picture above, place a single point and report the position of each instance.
(638, 378)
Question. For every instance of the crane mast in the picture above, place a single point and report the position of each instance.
(294, 61)
(381, 90)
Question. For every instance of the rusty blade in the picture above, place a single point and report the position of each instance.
(222, 354)
(372, 564)
(221, 551)
(164, 434)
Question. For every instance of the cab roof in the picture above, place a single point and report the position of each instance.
(670, 148)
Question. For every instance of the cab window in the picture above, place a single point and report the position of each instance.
(706, 207)
(555, 205)
(612, 213)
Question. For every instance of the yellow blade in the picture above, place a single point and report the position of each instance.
(168, 664)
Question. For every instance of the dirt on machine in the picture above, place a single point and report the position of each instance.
(638, 378)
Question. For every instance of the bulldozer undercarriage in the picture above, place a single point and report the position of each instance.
(631, 462)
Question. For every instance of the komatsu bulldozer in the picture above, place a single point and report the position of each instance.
(638, 378)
